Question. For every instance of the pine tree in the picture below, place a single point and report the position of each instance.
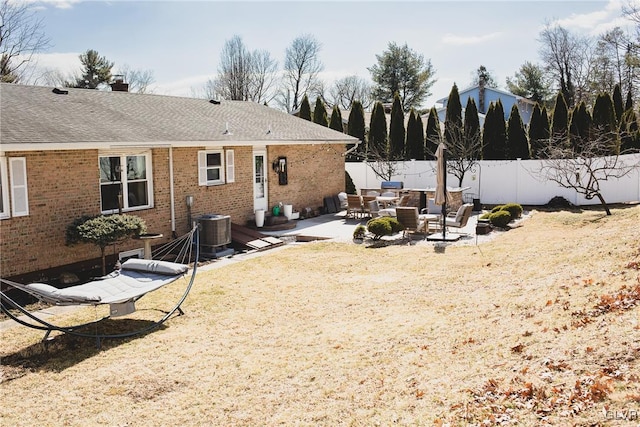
(494, 136)
(517, 144)
(357, 128)
(336, 119)
(453, 130)
(96, 71)
(538, 132)
(377, 146)
(580, 127)
(617, 102)
(604, 123)
(305, 109)
(415, 137)
(433, 135)
(396, 130)
(320, 113)
(472, 131)
(560, 121)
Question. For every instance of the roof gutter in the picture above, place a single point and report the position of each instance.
(352, 149)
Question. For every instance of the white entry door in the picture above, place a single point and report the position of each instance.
(259, 179)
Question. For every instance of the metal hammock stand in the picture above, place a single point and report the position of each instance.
(145, 275)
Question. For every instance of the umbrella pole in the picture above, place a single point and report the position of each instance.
(444, 205)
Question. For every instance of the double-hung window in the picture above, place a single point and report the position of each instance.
(212, 169)
(125, 182)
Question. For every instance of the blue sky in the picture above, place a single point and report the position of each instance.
(180, 41)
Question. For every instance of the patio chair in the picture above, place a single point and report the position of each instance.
(432, 208)
(410, 219)
(354, 206)
(461, 217)
(373, 208)
(366, 200)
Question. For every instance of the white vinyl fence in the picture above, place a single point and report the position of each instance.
(504, 181)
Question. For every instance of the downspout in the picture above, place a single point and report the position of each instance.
(171, 194)
(352, 149)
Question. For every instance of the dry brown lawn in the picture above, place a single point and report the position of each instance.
(539, 326)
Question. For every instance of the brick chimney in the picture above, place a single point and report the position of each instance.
(118, 84)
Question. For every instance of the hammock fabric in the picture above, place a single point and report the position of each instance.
(120, 289)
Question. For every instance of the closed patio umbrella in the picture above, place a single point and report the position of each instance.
(442, 195)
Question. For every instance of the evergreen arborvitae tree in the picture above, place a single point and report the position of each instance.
(453, 130)
(628, 105)
(617, 102)
(629, 133)
(336, 119)
(396, 130)
(494, 136)
(357, 128)
(560, 121)
(604, 123)
(415, 137)
(320, 113)
(305, 109)
(377, 146)
(580, 127)
(538, 132)
(472, 131)
(517, 144)
(433, 135)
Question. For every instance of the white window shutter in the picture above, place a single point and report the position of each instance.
(19, 195)
(231, 168)
(202, 168)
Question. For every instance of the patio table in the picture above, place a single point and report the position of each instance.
(385, 201)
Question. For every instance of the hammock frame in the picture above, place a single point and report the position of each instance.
(180, 250)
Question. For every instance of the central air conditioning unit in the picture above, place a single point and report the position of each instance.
(215, 232)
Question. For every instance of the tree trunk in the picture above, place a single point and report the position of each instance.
(604, 204)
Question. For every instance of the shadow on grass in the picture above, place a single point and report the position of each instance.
(62, 350)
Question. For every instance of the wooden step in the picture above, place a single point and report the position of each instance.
(253, 238)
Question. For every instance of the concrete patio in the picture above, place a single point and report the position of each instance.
(340, 228)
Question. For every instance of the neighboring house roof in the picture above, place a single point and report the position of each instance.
(487, 88)
(31, 116)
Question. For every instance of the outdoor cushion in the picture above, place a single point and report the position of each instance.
(151, 266)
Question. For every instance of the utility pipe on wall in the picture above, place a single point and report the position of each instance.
(171, 193)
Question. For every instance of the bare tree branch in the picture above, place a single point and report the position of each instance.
(21, 36)
(301, 69)
(583, 169)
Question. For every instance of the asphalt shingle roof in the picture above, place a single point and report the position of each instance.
(36, 114)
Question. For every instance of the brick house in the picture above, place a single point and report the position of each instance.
(65, 153)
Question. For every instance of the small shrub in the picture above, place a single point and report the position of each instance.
(359, 231)
(496, 208)
(514, 209)
(384, 226)
(500, 218)
(485, 215)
